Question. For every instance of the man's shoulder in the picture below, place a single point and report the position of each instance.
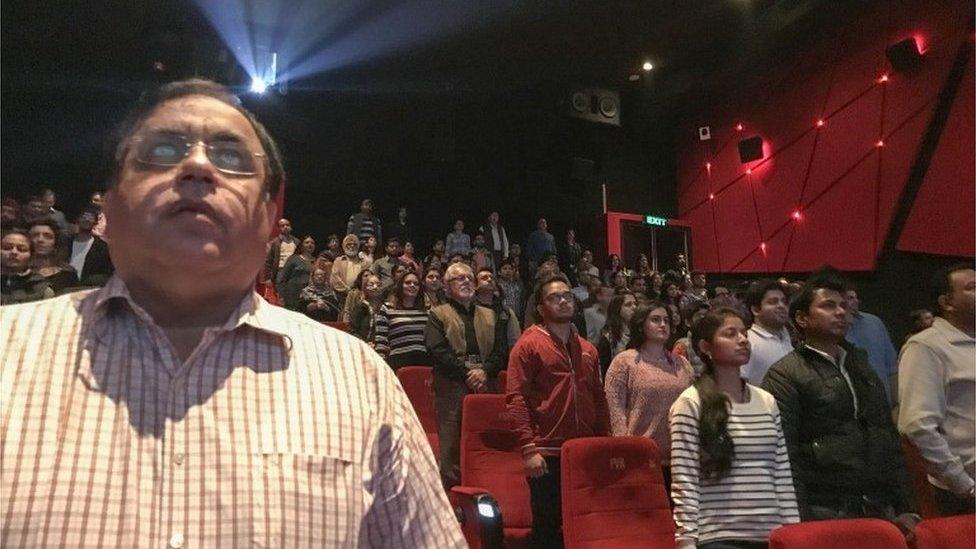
(791, 364)
(45, 317)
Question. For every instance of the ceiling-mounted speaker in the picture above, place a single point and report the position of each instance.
(596, 105)
(750, 149)
(904, 56)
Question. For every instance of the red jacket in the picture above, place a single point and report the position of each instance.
(554, 393)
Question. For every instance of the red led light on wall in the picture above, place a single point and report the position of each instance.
(711, 196)
(883, 79)
(738, 127)
(797, 215)
(880, 143)
(749, 171)
(820, 123)
(762, 247)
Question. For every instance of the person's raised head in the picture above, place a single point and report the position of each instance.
(767, 302)
(366, 206)
(308, 246)
(319, 277)
(852, 301)
(953, 294)
(87, 219)
(493, 218)
(35, 208)
(459, 282)
(554, 300)
(485, 281)
(479, 240)
(284, 227)
(9, 210)
(45, 236)
(603, 296)
(507, 271)
(50, 197)
(350, 246)
(405, 291)
(542, 224)
(698, 279)
(96, 198)
(393, 249)
(15, 251)
(650, 324)
(433, 279)
(639, 285)
(190, 205)
(818, 310)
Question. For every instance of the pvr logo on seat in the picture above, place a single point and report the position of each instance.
(618, 464)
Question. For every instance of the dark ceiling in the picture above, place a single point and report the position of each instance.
(697, 46)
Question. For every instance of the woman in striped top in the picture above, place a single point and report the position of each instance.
(400, 325)
(731, 478)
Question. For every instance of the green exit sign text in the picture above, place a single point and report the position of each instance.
(654, 220)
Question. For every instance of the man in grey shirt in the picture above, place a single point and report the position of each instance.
(937, 389)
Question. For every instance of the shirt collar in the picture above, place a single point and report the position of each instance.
(953, 334)
(842, 355)
(252, 310)
(766, 334)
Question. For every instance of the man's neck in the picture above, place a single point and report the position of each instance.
(562, 330)
(964, 325)
(465, 303)
(775, 330)
(825, 345)
(485, 298)
(83, 236)
(175, 309)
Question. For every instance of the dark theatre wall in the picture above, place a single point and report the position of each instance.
(828, 193)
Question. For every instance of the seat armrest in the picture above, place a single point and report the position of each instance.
(479, 515)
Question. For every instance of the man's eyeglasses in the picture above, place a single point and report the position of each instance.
(168, 149)
(556, 298)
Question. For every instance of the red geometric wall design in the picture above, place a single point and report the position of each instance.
(841, 130)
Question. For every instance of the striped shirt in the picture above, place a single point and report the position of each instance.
(276, 431)
(400, 331)
(754, 497)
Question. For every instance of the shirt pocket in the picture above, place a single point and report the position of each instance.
(303, 500)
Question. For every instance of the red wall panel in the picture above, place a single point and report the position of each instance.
(843, 185)
(942, 221)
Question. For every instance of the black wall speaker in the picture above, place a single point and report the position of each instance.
(750, 149)
(904, 56)
(595, 105)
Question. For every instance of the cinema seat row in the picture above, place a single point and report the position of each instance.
(613, 493)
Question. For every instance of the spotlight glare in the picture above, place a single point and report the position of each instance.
(258, 85)
(647, 66)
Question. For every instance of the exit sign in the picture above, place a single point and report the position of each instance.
(654, 220)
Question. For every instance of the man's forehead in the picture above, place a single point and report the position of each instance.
(199, 115)
(826, 294)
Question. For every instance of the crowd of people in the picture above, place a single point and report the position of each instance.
(776, 390)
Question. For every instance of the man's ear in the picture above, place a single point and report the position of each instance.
(945, 303)
(801, 319)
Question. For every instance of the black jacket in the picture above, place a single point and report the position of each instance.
(837, 458)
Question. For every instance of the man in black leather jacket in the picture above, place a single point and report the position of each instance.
(843, 445)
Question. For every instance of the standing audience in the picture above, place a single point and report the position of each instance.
(346, 268)
(937, 391)
(768, 335)
(457, 241)
(869, 333)
(293, 277)
(644, 381)
(400, 325)
(18, 282)
(467, 345)
(47, 259)
(317, 300)
(616, 332)
(554, 393)
(845, 450)
(496, 239)
(731, 478)
(280, 249)
(364, 224)
(88, 254)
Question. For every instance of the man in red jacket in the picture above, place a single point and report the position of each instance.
(554, 393)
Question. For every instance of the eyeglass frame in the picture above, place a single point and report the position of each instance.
(189, 145)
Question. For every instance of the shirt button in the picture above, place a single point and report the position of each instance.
(176, 541)
(178, 459)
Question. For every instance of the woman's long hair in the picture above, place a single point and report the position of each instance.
(717, 448)
(396, 297)
(614, 328)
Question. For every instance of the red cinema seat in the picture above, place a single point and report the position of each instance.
(417, 382)
(613, 494)
(840, 534)
(491, 462)
(924, 499)
(947, 533)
